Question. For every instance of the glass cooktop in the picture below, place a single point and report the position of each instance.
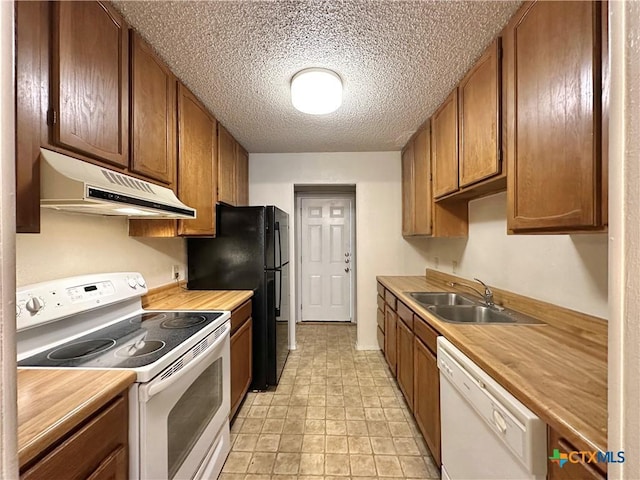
(134, 342)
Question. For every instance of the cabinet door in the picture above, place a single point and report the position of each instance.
(242, 176)
(241, 364)
(113, 468)
(390, 321)
(422, 196)
(226, 166)
(552, 59)
(426, 402)
(569, 471)
(196, 163)
(405, 361)
(90, 81)
(408, 195)
(479, 118)
(444, 146)
(153, 114)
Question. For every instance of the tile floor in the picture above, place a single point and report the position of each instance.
(337, 413)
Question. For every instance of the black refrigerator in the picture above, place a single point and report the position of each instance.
(250, 252)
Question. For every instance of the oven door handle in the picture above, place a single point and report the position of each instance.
(155, 387)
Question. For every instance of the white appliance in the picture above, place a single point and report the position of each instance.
(486, 433)
(70, 184)
(180, 403)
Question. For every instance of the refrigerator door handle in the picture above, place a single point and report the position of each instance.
(279, 273)
(279, 251)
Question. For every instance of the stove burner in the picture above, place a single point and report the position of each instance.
(82, 349)
(148, 316)
(184, 321)
(141, 348)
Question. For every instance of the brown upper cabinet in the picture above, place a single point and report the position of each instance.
(90, 81)
(444, 146)
(479, 119)
(554, 62)
(233, 170)
(242, 176)
(153, 114)
(416, 185)
(197, 175)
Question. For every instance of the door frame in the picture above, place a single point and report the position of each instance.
(324, 192)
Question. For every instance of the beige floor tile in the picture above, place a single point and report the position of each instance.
(293, 426)
(362, 465)
(312, 463)
(375, 413)
(277, 411)
(400, 429)
(245, 442)
(313, 444)
(287, 464)
(297, 411)
(264, 398)
(268, 442)
(231, 476)
(317, 389)
(336, 444)
(284, 388)
(378, 429)
(336, 427)
(336, 464)
(314, 427)
(281, 399)
(335, 390)
(319, 378)
(273, 425)
(334, 380)
(357, 427)
(258, 411)
(299, 400)
(414, 467)
(369, 391)
(360, 445)
(300, 380)
(317, 401)
(406, 446)
(350, 389)
(290, 443)
(335, 413)
(389, 402)
(335, 401)
(316, 413)
(252, 425)
(300, 390)
(388, 466)
(237, 462)
(262, 463)
(383, 446)
(353, 400)
(394, 414)
(354, 413)
(371, 401)
(236, 425)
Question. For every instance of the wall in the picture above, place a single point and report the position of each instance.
(567, 270)
(76, 244)
(8, 414)
(624, 233)
(378, 211)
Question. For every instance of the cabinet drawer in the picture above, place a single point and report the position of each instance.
(405, 314)
(585, 471)
(380, 338)
(425, 333)
(380, 290)
(240, 315)
(85, 451)
(380, 302)
(380, 318)
(391, 299)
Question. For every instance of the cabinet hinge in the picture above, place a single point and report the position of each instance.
(52, 116)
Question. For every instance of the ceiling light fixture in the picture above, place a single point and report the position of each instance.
(316, 91)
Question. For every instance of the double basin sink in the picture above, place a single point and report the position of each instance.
(456, 308)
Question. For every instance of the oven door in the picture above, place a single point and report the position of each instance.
(182, 414)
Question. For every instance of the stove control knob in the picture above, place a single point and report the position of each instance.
(132, 282)
(140, 281)
(18, 310)
(34, 305)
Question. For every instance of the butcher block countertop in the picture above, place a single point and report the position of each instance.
(174, 297)
(52, 403)
(558, 369)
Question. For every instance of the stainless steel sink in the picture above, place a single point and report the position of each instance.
(441, 298)
(479, 314)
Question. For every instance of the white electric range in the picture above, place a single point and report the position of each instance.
(179, 405)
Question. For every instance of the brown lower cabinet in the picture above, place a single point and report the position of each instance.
(570, 471)
(404, 361)
(241, 354)
(98, 450)
(390, 346)
(426, 399)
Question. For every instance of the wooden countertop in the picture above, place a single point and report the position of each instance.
(174, 297)
(51, 403)
(558, 370)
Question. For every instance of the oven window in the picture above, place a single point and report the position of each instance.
(192, 413)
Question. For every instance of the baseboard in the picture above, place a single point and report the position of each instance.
(367, 347)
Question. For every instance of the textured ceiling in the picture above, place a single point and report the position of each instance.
(398, 61)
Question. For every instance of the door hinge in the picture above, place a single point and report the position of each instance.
(52, 116)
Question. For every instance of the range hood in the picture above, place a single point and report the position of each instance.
(76, 186)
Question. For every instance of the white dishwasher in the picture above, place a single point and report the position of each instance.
(487, 434)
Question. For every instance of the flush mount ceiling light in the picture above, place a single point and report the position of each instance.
(316, 91)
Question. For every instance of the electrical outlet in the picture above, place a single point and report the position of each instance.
(454, 264)
(436, 262)
(175, 272)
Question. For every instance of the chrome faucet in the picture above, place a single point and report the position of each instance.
(487, 295)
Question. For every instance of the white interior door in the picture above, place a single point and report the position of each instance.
(326, 259)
